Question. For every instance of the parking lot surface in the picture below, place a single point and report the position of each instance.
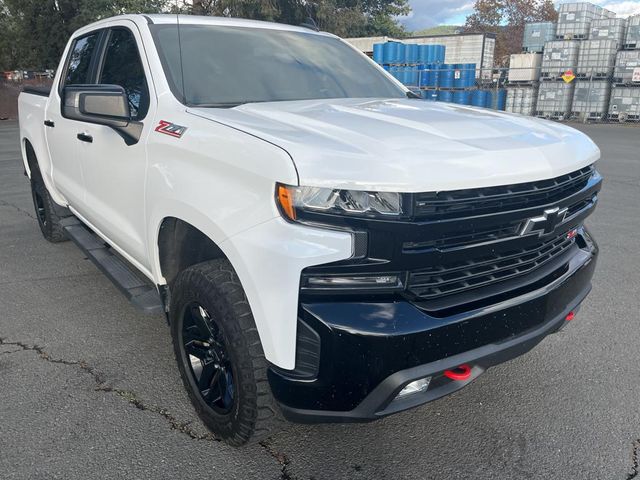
(89, 387)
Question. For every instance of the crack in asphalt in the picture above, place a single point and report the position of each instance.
(635, 460)
(131, 398)
(280, 457)
(4, 203)
(101, 386)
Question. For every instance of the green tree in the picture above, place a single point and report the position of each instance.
(40, 29)
(346, 18)
(507, 18)
(35, 32)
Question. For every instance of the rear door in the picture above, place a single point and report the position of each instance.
(114, 172)
(61, 132)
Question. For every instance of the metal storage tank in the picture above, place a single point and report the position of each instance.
(597, 58)
(591, 100)
(627, 67)
(536, 35)
(521, 100)
(574, 19)
(625, 104)
(559, 56)
(555, 100)
(608, 29)
(632, 38)
(525, 67)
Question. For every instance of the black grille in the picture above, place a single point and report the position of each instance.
(480, 272)
(463, 203)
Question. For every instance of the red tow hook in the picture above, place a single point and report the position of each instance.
(570, 316)
(460, 373)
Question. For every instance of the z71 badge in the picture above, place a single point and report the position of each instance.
(170, 129)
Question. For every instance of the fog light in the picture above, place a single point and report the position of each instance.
(415, 387)
(381, 281)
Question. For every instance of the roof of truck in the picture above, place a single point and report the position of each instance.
(167, 19)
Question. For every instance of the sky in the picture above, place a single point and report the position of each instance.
(429, 13)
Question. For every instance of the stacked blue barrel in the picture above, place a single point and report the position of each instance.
(423, 68)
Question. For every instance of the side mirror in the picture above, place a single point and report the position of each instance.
(103, 105)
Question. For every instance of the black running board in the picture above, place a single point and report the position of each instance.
(138, 290)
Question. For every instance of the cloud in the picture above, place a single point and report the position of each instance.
(428, 13)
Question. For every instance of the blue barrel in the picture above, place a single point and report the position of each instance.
(434, 75)
(386, 67)
(430, 95)
(394, 71)
(446, 76)
(378, 53)
(465, 75)
(479, 98)
(501, 100)
(414, 74)
(445, 96)
(423, 55)
(402, 53)
(471, 70)
(413, 52)
(432, 54)
(439, 52)
(391, 52)
(461, 97)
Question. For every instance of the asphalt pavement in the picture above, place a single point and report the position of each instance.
(89, 387)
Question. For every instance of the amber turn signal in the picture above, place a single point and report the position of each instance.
(285, 199)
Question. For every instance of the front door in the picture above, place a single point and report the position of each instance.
(114, 172)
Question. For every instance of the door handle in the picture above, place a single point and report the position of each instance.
(83, 137)
(49, 123)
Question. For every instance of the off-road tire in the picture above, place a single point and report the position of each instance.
(255, 413)
(48, 219)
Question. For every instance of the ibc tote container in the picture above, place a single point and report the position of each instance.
(632, 39)
(627, 64)
(574, 19)
(625, 104)
(608, 29)
(591, 100)
(555, 100)
(521, 100)
(525, 67)
(597, 58)
(559, 56)
(536, 35)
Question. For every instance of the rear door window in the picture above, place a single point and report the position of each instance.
(122, 66)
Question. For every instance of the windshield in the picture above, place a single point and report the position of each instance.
(227, 66)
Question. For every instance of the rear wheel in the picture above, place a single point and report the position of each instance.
(48, 220)
(219, 354)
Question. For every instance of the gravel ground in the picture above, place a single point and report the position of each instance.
(89, 388)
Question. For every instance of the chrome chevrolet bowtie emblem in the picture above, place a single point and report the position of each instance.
(545, 223)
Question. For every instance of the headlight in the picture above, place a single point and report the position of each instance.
(343, 202)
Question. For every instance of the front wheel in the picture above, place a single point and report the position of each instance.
(219, 353)
(48, 219)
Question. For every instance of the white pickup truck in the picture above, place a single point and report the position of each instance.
(326, 246)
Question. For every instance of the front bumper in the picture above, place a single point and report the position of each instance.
(371, 351)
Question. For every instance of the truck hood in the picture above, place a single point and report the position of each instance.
(409, 145)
